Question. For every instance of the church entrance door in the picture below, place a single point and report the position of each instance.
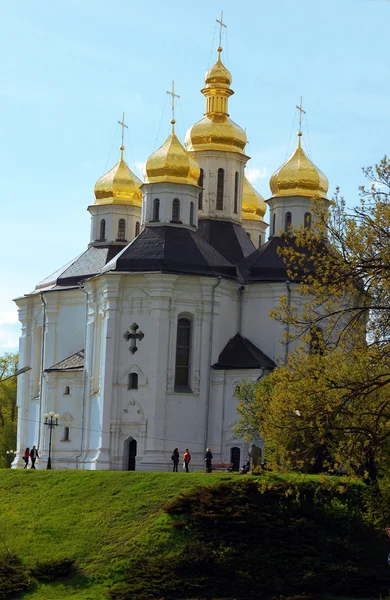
(132, 455)
(235, 458)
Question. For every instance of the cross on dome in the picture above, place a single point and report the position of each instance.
(172, 93)
(123, 125)
(300, 115)
(221, 24)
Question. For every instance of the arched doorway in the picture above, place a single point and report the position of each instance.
(235, 458)
(132, 455)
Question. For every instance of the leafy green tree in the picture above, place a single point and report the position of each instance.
(8, 411)
(329, 404)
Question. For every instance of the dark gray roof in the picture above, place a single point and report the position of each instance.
(229, 239)
(240, 353)
(169, 249)
(86, 265)
(74, 362)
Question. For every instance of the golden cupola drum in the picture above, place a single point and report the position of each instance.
(119, 186)
(298, 176)
(216, 131)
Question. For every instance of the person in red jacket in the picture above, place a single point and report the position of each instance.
(26, 456)
(186, 458)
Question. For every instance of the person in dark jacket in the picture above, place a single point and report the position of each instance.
(175, 459)
(33, 455)
(208, 458)
(26, 456)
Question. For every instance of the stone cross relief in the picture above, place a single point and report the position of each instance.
(133, 335)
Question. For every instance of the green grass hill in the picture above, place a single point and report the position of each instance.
(139, 536)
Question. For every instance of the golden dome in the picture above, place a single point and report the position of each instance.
(172, 163)
(298, 176)
(119, 186)
(216, 131)
(253, 203)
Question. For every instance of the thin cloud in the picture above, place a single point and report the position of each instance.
(254, 174)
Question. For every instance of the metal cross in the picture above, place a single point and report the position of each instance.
(133, 335)
(123, 124)
(172, 93)
(221, 24)
(300, 114)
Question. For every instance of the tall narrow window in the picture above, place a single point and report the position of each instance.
(260, 240)
(66, 437)
(192, 213)
(236, 192)
(220, 185)
(133, 381)
(307, 220)
(121, 230)
(176, 210)
(137, 228)
(102, 230)
(156, 209)
(273, 224)
(287, 223)
(200, 184)
(67, 391)
(183, 354)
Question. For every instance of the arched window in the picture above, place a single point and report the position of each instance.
(133, 381)
(156, 209)
(307, 220)
(200, 184)
(176, 210)
(66, 437)
(67, 391)
(137, 228)
(121, 230)
(192, 213)
(260, 240)
(273, 224)
(220, 185)
(287, 222)
(183, 354)
(236, 192)
(102, 236)
(317, 343)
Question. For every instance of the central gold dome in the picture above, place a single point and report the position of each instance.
(253, 203)
(216, 131)
(172, 163)
(298, 176)
(119, 186)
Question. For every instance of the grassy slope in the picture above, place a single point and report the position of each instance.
(98, 518)
(101, 519)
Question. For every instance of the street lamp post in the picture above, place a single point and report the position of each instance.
(51, 421)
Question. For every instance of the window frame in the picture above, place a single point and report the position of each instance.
(220, 189)
(156, 210)
(102, 230)
(176, 211)
(133, 381)
(201, 184)
(236, 177)
(180, 387)
(192, 213)
(121, 233)
(307, 220)
(287, 221)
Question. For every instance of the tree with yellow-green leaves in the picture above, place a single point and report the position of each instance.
(328, 406)
(8, 411)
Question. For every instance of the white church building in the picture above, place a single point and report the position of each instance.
(139, 343)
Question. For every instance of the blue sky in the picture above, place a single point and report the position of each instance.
(71, 67)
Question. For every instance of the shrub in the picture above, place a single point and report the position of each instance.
(14, 577)
(53, 569)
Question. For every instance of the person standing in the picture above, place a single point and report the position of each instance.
(33, 455)
(26, 456)
(186, 459)
(175, 459)
(208, 458)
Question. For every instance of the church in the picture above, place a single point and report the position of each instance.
(138, 344)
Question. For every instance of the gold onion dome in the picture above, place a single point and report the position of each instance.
(253, 203)
(298, 176)
(119, 186)
(172, 163)
(216, 131)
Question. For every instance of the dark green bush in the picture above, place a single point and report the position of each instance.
(246, 541)
(53, 569)
(14, 577)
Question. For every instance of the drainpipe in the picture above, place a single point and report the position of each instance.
(288, 324)
(240, 305)
(85, 375)
(42, 367)
(206, 426)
